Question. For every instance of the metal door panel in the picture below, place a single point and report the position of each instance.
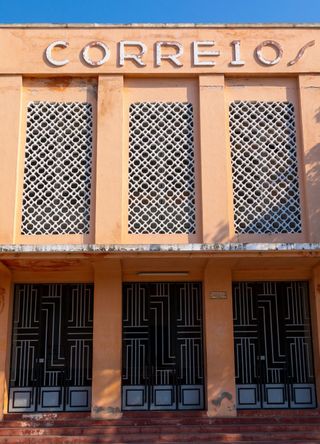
(273, 349)
(78, 399)
(274, 396)
(246, 346)
(135, 397)
(163, 397)
(50, 399)
(135, 347)
(162, 346)
(248, 396)
(51, 356)
(191, 397)
(22, 399)
(302, 395)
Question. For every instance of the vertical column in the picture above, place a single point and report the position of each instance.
(106, 372)
(315, 318)
(5, 291)
(10, 110)
(109, 160)
(309, 89)
(221, 392)
(213, 159)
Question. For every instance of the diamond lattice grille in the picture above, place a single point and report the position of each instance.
(57, 175)
(161, 169)
(264, 167)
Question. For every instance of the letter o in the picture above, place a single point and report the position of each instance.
(102, 46)
(276, 46)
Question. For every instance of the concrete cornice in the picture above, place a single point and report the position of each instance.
(159, 25)
(312, 249)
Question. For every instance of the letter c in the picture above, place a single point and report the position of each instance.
(48, 52)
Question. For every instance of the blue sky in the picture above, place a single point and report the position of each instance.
(169, 11)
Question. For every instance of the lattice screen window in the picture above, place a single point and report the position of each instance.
(264, 167)
(57, 174)
(161, 169)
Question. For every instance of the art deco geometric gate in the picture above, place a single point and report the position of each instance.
(51, 355)
(273, 346)
(162, 347)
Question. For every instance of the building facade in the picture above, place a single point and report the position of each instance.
(160, 218)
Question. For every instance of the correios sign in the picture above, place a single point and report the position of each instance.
(203, 53)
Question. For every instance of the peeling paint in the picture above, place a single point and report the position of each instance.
(41, 416)
(109, 410)
(224, 395)
(147, 248)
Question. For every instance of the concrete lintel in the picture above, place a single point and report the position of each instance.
(123, 249)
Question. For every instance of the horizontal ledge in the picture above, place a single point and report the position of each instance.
(123, 249)
(158, 25)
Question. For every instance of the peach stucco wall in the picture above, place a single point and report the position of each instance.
(111, 88)
(221, 393)
(108, 274)
(210, 95)
(106, 371)
(5, 299)
(29, 44)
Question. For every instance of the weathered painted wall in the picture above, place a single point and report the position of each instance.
(111, 88)
(309, 95)
(10, 118)
(214, 203)
(221, 395)
(5, 298)
(29, 46)
(108, 274)
(106, 371)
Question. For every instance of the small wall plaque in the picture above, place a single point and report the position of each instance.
(217, 295)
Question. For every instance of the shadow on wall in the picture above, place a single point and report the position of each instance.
(268, 200)
(220, 234)
(108, 404)
(312, 178)
(268, 197)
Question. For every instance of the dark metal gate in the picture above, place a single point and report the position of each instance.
(162, 347)
(51, 356)
(273, 346)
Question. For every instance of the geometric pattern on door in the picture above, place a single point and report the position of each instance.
(162, 347)
(273, 345)
(51, 354)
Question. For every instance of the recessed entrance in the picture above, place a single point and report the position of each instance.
(273, 346)
(162, 347)
(51, 357)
